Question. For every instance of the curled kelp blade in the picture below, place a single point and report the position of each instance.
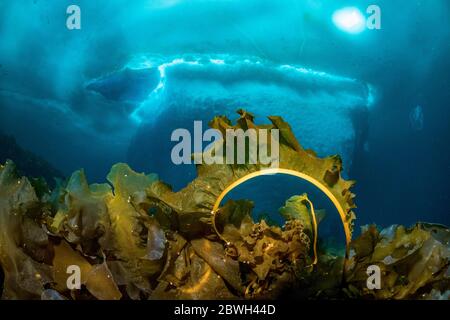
(202, 196)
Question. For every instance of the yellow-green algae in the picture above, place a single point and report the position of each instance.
(134, 238)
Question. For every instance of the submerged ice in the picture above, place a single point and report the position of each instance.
(321, 107)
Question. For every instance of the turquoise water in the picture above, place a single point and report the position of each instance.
(115, 89)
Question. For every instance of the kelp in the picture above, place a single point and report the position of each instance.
(135, 238)
(413, 264)
(414, 261)
(24, 246)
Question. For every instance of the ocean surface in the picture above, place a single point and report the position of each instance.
(114, 91)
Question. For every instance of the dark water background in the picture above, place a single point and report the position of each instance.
(400, 157)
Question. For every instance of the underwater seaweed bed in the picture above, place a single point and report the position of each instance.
(135, 238)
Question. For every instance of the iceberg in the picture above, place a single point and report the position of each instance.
(320, 106)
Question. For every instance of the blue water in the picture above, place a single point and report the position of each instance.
(116, 89)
